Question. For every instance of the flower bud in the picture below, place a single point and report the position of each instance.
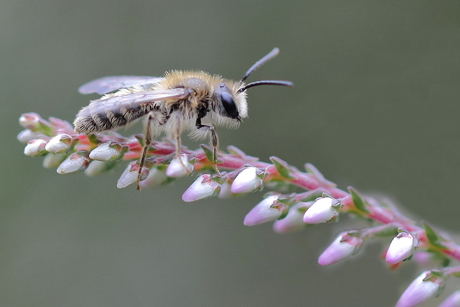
(106, 151)
(53, 160)
(26, 135)
(75, 162)
(30, 121)
(35, 147)
(203, 187)
(98, 167)
(426, 285)
(293, 220)
(269, 209)
(179, 167)
(401, 247)
(156, 177)
(130, 175)
(248, 180)
(59, 143)
(452, 300)
(323, 210)
(346, 244)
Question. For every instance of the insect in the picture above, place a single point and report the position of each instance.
(181, 100)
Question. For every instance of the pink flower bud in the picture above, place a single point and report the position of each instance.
(293, 220)
(248, 180)
(203, 187)
(74, 163)
(269, 209)
(452, 300)
(179, 167)
(425, 286)
(401, 247)
(35, 147)
(59, 143)
(156, 177)
(30, 121)
(323, 210)
(130, 175)
(106, 152)
(53, 160)
(346, 244)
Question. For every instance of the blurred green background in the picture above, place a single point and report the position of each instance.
(375, 105)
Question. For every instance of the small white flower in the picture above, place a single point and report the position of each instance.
(59, 143)
(248, 180)
(35, 147)
(74, 163)
(401, 247)
(343, 246)
(179, 167)
(105, 152)
(323, 210)
(422, 288)
(130, 175)
(203, 187)
(265, 211)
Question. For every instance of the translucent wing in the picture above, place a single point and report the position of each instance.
(112, 83)
(131, 101)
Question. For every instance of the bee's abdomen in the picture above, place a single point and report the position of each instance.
(108, 120)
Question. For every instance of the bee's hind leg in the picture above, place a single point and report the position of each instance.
(147, 142)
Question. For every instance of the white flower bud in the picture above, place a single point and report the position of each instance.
(179, 167)
(425, 286)
(35, 147)
(293, 220)
(203, 187)
(26, 135)
(401, 247)
(343, 246)
(105, 152)
(59, 143)
(323, 210)
(265, 211)
(130, 175)
(248, 180)
(74, 163)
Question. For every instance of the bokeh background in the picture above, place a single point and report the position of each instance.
(375, 105)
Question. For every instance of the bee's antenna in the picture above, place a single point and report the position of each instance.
(265, 82)
(260, 62)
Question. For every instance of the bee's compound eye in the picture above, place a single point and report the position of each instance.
(229, 105)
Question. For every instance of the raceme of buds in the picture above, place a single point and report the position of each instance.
(269, 209)
(130, 175)
(293, 220)
(35, 147)
(179, 167)
(248, 180)
(203, 187)
(59, 143)
(346, 244)
(401, 247)
(323, 210)
(425, 286)
(75, 162)
(107, 151)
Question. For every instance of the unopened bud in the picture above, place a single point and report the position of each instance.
(26, 135)
(75, 162)
(35, 147)
(157, 176)
(106, 151)
(401, 247)
(293, 220)
(53, 160)
(130, 175)
(269, 209)
(452, 300)
(323, 210)
(59, 143)
(30, 121)
(425, 286)
(203, 187)
(179, 167)
(346, 244)
(248, 180)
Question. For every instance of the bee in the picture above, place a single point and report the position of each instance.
(178, 101)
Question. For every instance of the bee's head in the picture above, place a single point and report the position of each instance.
(230, 103)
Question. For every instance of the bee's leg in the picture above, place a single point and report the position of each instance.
(147, 142)
(177, 132)
(214, 142)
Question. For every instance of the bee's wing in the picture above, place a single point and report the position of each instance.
(111, 83)
(130, 101)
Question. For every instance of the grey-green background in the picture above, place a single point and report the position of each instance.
(375, 105)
